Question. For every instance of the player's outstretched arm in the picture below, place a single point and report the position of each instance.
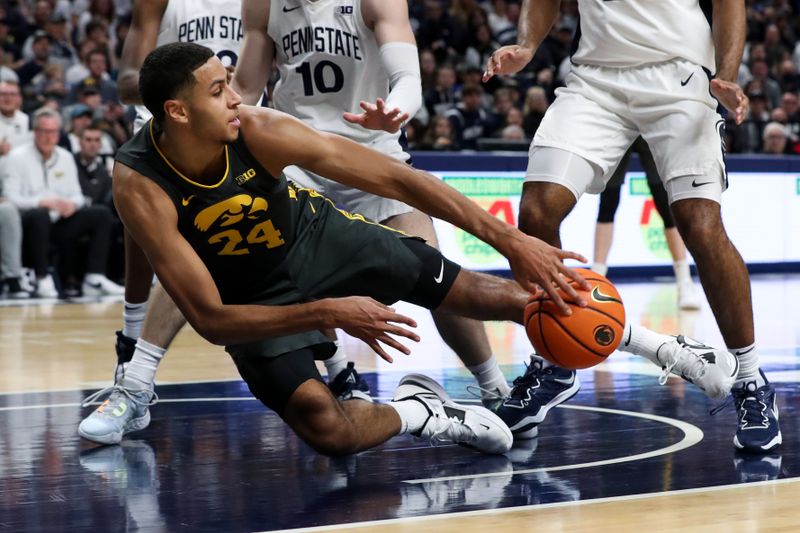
(279, 140)
(535, 20)
(729, 28)
(257, 54)
(141, 40)
(151, 218)
(388, 19)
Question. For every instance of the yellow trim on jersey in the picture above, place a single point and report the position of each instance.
(179, 173)
(352, 216)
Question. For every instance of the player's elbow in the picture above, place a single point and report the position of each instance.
(210, 326)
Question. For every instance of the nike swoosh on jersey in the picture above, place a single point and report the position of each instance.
(695, 184)
(438, 279)
(287, 10)
(185, 201)
(684, 82)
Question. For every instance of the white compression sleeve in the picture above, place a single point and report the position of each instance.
(401, 63)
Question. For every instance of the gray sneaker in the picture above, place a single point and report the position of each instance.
(125, 410)
(712, 370)
(449, 422)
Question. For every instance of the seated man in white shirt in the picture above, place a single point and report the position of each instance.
(41, 179)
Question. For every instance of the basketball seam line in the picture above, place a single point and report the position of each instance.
(565, 330)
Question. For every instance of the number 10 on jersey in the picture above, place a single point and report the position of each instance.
(326, 76)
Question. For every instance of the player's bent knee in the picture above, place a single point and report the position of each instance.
(319, 420)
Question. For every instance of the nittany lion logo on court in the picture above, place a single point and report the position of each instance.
(604, 335)
(238, 214)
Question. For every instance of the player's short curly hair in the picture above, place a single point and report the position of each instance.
(167, 71)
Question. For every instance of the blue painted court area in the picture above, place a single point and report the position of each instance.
(213, 459)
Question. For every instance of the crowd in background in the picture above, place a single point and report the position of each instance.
(59, 106)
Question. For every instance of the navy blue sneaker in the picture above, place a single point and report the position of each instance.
(757, 410)
(348, 385)
(125, 346)
(534, 393)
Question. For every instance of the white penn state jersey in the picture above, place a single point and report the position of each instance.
(216, 24)
(631, 33)
(328, 61)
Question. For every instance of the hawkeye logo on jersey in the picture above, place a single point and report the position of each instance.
(344, 10)
(239, 223)
(244, 177)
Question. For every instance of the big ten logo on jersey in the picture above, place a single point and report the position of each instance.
(240, 225)
(344, 10)
(218, 32)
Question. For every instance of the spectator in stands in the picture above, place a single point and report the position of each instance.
(14, 124)
(443, 96)
(776, 139)
(791, 105)
(93, 174)
(100, 13)
(61, 50)
(513, 132)
(7, 42)
(770, 87)
(80, 69)
(440, 135)
(41, 57)
(81, 117)
(534, 109)
(788, 78)
(48, 84)
(427, 68)
(469, 119)
(481, 48)
(98, 78)
(41, 179)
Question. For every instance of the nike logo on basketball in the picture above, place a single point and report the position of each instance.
(683, 82)
(287, 10)
(598, 296)
(185, 201)
(695, 184)
(438, 279)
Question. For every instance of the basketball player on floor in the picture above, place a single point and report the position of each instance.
(154, 23)
(335, 56)
(261, 266)
(659, 69)
(379, 50)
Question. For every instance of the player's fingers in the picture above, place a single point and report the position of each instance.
(380, 351)
(400, 332)
(353, 118)
(397, 318)
(570, 291)
(402, 118)
(574, 276)
(551, 289)
(565, 254)
(380, 103)
(400, 347)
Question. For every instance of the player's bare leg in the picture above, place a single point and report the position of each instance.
(465, 336)
(340, 428)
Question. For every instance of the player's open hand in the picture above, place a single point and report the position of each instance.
(374, 323)
(538, 266)
(378, 117)
(507, 60)
(732, 97)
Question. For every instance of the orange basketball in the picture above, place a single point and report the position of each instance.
(586, 337)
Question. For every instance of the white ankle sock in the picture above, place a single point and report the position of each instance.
(337, 362)
(133, 318)
(682, 274)
(141, 371)
(489, 376)
(600, 268)
(642, 342)
(413, 415)
(748, 365)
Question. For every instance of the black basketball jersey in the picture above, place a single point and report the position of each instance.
(242, 227)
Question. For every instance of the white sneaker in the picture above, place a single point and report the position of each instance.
(99, 285)
(46, 287)
(449, 422)
(688, 296)
(124, 411)
(713, 371)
